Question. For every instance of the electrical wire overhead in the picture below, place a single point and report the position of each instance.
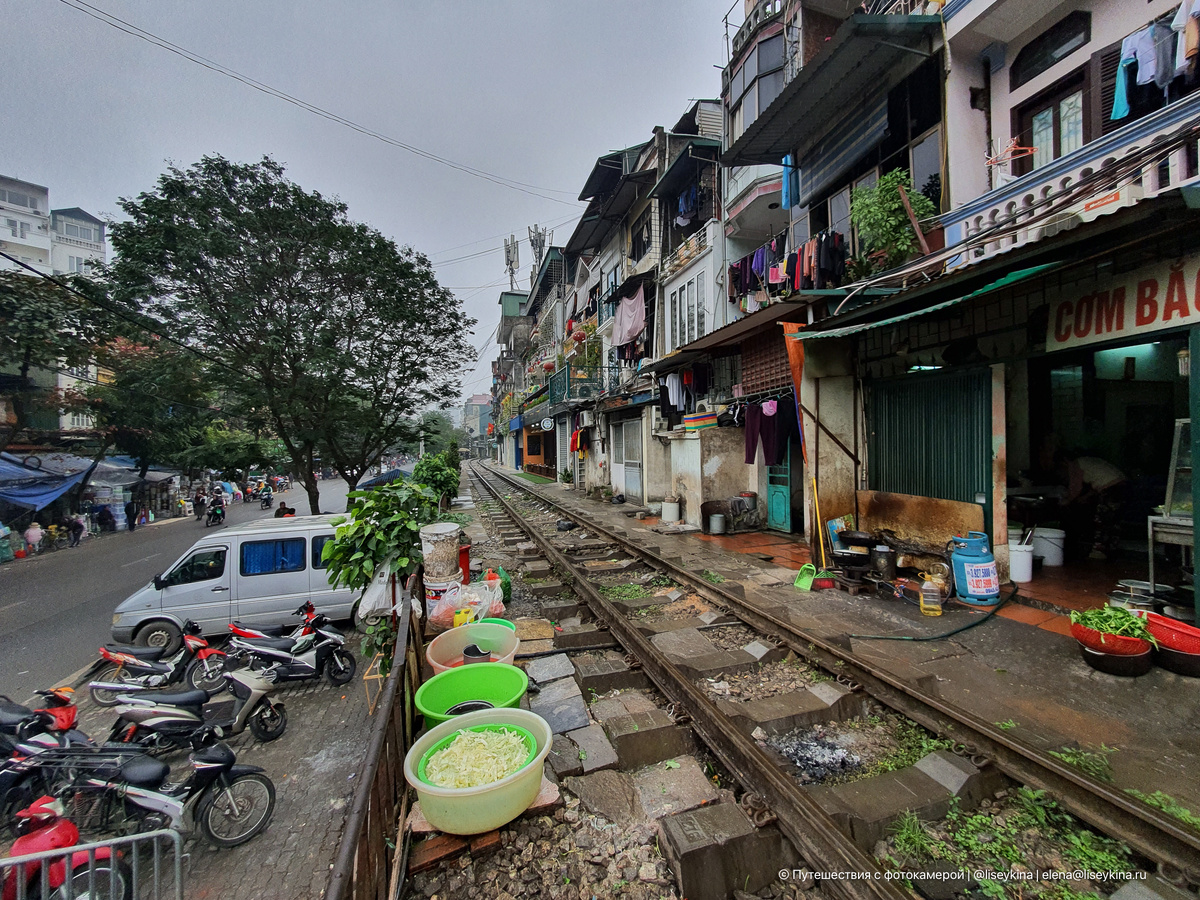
(142, 34)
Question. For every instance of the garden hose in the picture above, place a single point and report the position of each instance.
(937, 637)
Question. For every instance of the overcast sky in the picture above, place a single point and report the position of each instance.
(531, 92)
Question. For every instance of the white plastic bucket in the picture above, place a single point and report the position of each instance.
(1020, 562)
(716, 523)
(439, 547)
(1048, 543)
(1014, 534)
(670, 511)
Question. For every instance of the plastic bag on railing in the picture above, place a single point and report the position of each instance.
(463, 604)
(377, 598)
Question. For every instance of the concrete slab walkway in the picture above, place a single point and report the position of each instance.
(1020, 666)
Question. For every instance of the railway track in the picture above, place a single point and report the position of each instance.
(1156, 836)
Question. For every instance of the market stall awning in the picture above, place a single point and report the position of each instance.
(867, 56)
(1011, 278)
(32, 488)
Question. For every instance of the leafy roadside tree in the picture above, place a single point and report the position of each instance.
(228, 448)
(42, 325)
(157, 404)
(327, 328)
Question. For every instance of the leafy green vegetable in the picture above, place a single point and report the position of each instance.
(1113, 620)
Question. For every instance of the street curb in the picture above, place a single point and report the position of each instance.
(75, 679)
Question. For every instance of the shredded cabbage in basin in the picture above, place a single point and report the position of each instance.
(476, 758)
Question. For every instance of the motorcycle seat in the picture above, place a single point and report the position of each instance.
(176, 698)
(272, 643)
(12, 715)
(138, 770)
(148, 654)
(273, 631)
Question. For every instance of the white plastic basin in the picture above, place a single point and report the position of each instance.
(479, 809)
(445, 651)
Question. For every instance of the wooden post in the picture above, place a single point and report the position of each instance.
(1194, 413)
(912, 218)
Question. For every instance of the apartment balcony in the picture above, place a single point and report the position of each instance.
(91, 246)
(581, 383)
(1146, 158)
(692, 248)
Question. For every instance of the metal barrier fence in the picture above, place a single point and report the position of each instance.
(141, 869)
(370, 858)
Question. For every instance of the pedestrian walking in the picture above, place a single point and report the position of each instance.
(75, 529)
(131, 511)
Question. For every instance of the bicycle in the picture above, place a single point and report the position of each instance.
(56, 538)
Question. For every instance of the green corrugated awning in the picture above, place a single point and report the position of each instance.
(1011, 278)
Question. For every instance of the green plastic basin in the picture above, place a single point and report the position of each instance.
(504, 622)
(499, 684)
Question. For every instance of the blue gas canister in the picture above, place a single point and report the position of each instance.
(975, 577)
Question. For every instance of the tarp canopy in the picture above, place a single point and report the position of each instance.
(31, 488)
(386, 477)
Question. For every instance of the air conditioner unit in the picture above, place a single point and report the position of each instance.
(587, 418)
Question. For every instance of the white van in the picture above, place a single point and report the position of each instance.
(258, 573)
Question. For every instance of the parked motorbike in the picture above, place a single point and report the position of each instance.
(310, 656)
(166, 721)
(98, 875)
(202, 666)
(214, 516)
(277, 631)
(26, 734)
(118, 790)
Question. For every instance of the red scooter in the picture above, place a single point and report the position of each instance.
(97, 874)
(275, 631)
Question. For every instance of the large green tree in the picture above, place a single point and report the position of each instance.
(156, 404)
(328, 328)
(42, 326)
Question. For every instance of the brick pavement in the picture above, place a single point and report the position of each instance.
(314, 765)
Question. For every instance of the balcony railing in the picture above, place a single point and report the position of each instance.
(685, 252)
(1142, 160)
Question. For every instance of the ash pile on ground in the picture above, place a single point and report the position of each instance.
(814, 755)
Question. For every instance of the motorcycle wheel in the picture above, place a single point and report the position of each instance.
(105, 879)
(103, 697)
(267, 722)
(209, 678)
(340, 668)
(231, 815)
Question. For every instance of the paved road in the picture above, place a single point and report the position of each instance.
(56, 609)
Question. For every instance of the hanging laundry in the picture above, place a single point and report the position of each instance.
(630, 318)
(1179, 26)
(675, 390)
(1120, 107)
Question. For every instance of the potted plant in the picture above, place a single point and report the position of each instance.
(883, 224)
(381, 528)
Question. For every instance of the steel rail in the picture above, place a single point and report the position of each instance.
(1155, 835)
(806, 824)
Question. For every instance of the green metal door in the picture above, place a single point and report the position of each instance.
(931, 435)
(779, 494)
